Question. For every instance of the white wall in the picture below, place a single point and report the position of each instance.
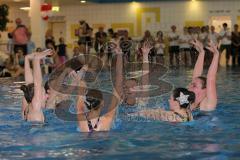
(170, 13)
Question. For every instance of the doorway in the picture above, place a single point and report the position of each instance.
(59, 30)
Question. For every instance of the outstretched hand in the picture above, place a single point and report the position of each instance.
(44, 54)
(31, 56)
(198, 45)
(213, 47)
(147, 46)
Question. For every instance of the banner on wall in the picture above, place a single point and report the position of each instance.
(46, 11)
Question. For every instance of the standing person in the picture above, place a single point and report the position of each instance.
(193, 52)
(61, 50)
(110, 35)
(126, 51)
(148, 38)
(54, 60)
(184, 45)
(49, 37)
(10, 43)
(214, 37)
(30, 45)
(84, 34)
(20, 36)
(100, 40)
(235, 44)
(159, 47)
(225, 36)
(173, 38)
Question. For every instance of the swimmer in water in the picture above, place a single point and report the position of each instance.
(35, 95)
(205, 87)
(89, 107)
(180, 102)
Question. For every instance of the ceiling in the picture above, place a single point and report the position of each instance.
(73, 2)
(77, 2)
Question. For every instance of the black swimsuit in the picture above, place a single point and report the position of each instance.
(90, 127)
(184, 119)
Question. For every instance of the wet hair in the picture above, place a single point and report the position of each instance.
(93, 99)
(204, 81)
(28, 91)
(46, 86)
(191, 96)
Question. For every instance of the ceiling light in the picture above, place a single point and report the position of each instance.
(55, 8)
(25, 8)
(83, 1)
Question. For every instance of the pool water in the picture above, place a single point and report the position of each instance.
(213, 136)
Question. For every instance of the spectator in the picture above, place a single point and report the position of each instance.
(235, 44)
(225, 36)
(100, 40)
(49, 38)
(30, 45)
(159, 47)
(10, 43)
(173, 38)
(61, 50)
(20, 37)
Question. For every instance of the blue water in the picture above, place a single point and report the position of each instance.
(213, 136)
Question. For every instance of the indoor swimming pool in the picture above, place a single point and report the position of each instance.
(211, 136)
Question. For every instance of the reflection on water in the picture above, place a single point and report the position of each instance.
(210, 136)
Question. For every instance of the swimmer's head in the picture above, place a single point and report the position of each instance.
(130, 95)
(46, 87)
(181, 98)
(28, 91)
(198, 86)
(94, 99)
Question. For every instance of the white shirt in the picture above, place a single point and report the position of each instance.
(203, 38)
(225, 40)
(159, 46)
(173, 36)
(213, 37)
(185, 38)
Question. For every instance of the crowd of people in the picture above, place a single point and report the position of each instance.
(172, 49)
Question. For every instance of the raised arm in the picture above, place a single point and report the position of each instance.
(117, 90)
(158, 114)
(198, 68)
(82, 122)
(145, 67)
(28, 75)
(37, 79)
(211, 78)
